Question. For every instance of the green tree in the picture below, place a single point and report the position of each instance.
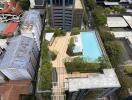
(91, 4)
(107, 10)
(106, 36)
(59, 32)
(24, 4)
(115, 52)
(119, 9)
(99, 16)
(70, 47)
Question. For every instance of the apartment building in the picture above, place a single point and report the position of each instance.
(62, 13)
(66, 14)
(32, 26)
(20, 59)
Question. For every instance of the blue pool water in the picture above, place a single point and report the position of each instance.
(2, 26)
(91, 48)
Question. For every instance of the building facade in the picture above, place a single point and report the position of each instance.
(66, 14)
(62, 13)
(20, 59)
(78, 14)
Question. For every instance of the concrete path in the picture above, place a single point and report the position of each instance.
(60, 45)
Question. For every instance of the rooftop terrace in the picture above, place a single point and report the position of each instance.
(97, 80)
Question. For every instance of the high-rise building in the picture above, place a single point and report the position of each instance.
(66, 14)
(20, 59)
(62, 13)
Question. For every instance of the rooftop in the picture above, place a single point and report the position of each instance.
(111, 3)
(78, 4)
(106, 80)
(122, 34)
(2, 26)
(18, 53)
(3, 43)
(11, 8)
(13, 89)
(128, 20)
(116, 22)
(10, 29)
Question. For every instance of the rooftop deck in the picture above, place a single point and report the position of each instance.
(106, 80)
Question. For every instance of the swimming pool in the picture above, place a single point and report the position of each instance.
(90, 45)
(2, 26)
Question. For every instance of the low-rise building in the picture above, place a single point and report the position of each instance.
(20, 59)
(13, 90)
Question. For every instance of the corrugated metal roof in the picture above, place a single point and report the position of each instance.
(18, 53)
(11, 8)
(10, 29)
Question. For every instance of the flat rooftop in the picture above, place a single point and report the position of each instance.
(128, 20)
(13, 89)
(111, 3)
(122, 34)
(78, 4)
(116, 22)
(106, 80)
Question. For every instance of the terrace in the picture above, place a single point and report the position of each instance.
(68, 68)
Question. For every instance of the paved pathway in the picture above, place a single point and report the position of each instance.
(60, 45)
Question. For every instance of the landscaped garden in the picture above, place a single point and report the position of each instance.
(45, 72)
(79, 65)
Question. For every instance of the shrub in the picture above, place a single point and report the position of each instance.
(128, 69)
(79, 65)
(70, 47)
(53, 55)
(45, 68)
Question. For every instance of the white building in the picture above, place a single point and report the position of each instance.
(20, 59)
(107, 82)
(32, 26)
(116, 22)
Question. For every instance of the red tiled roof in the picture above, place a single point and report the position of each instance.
(11, 8)
(13, 89)
(10, 29)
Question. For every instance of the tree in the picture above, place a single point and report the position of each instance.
(59, 32)
(70, 47)
(115, 52)
(91, 4)
(119, 9)
(107, 10)
(75, 31)
(99, 16)
(24, 4)
(106, 36)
